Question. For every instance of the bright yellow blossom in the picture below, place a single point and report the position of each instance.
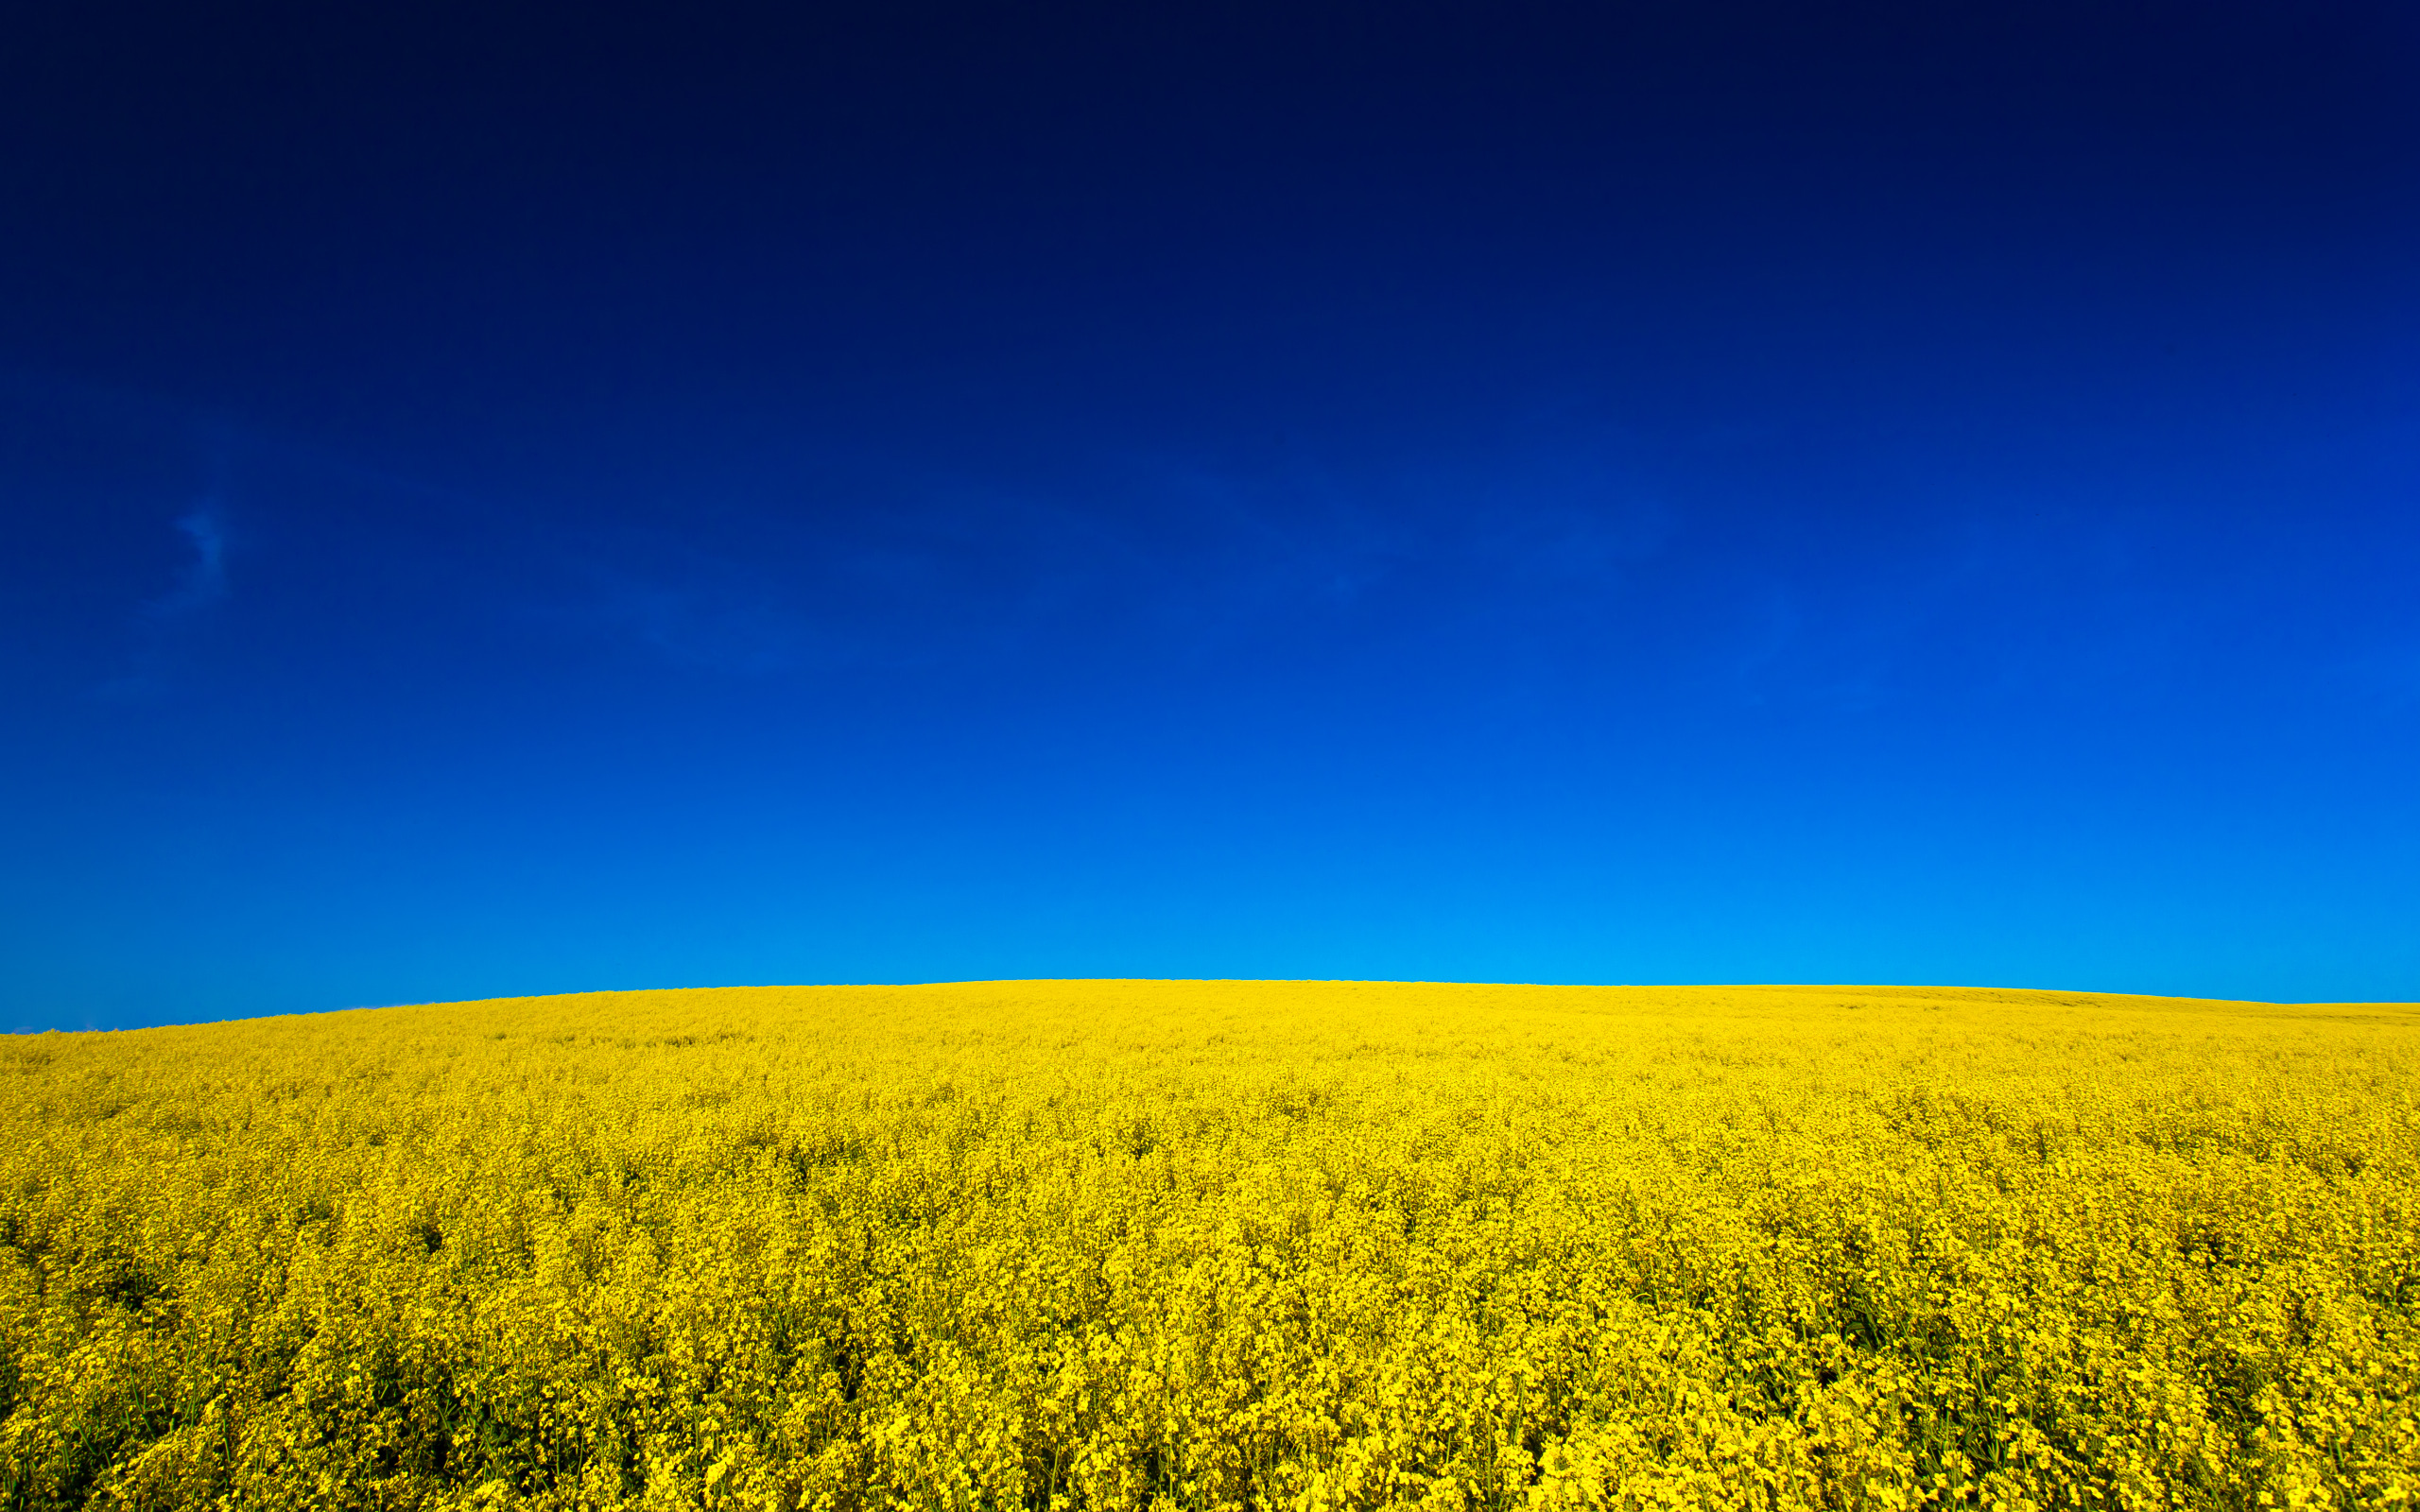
(1218, 1244)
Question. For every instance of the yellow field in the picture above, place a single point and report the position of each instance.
(1218, 1244)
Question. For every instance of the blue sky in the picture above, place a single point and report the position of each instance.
(522, 500)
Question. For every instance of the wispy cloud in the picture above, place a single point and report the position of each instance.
(694, 609)
(202, 582)
(163, 621)
(1149, 554)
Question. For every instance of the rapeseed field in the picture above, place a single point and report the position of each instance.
(1218, 1244)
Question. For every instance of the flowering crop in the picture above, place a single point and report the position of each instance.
(1218, 1244)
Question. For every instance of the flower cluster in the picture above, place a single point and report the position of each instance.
(1235, 1245)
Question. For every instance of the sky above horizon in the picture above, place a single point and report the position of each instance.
(508, 500)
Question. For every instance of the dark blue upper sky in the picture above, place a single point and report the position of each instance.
(506, 499)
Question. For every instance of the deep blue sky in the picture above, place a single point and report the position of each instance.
(506, 499)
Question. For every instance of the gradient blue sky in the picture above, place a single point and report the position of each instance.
(510, 499)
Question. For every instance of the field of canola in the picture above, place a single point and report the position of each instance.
(1108, 1245)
